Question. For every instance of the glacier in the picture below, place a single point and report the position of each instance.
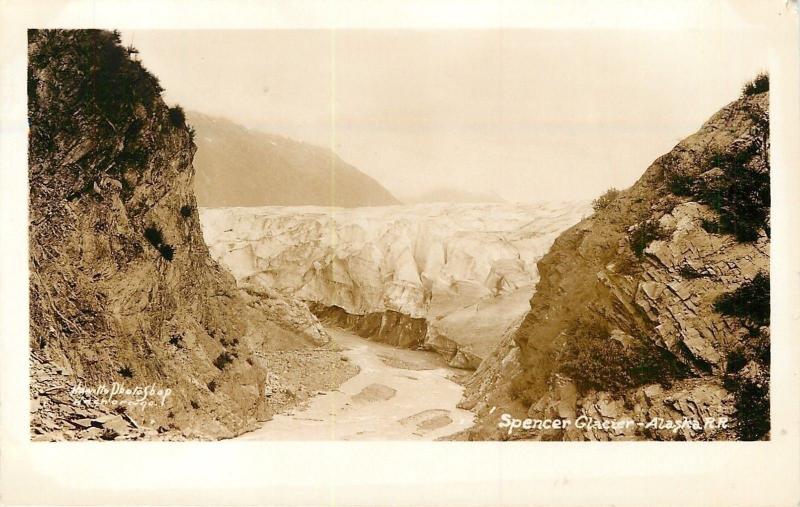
(455, 278)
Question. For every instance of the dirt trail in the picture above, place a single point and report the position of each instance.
(398, 394)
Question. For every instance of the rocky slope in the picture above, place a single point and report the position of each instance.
(122, 288)
(451, 277)
(656, 306)
(59, 413)
(237, 166)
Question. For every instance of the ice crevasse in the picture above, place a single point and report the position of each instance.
(455, 278)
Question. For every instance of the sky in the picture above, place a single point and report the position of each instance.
(527, 114)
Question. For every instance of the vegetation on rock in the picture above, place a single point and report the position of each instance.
(605, 200)
(223, 360)
(177, 116)
(735, 181)
(751, 301)
(615, 333)
(594, 359)
(759, 84)
(643, 234)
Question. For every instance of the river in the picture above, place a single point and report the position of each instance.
(398, 394)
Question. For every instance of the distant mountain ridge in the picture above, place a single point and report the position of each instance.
(442, 194)
(237, 166)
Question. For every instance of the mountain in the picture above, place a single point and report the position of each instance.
(454, 195)
(122, 288)
(654, 309)
(237, 166)
(455, 278)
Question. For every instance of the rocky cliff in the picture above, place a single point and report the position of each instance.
(237, 166)
(455, 278)
(122, 288)
(656, 306)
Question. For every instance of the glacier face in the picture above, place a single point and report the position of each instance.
(467, 271)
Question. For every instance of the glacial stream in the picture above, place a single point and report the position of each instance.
(398, 394)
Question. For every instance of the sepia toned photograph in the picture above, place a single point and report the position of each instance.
(398, 235)
(399, 253)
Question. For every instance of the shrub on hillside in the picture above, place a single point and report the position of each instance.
(689, 272)
(605, 200)
(679, 184)
(155, 238)
(644, 234)
(735, 361)
(734, 183)
(758, 85)
(750, 301)
(177, 116)
(126, 372)
(167, 251)
(114, 81)
(752, 410)
(153, 235)
(752, 403)
(739, 193)
(627, 263)
(518, 389)
(98, 84)
(710, 226)
(223, 360)
(594, 360)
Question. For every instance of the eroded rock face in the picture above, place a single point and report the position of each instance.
(452, 277)
(679, 305)
(662, 301)
(122, 286)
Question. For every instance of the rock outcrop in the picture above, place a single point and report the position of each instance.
(455, 278)
(60, 412)
(635, 315)
(122, 288)
(237, 166)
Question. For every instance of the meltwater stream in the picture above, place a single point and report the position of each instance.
(398, 394)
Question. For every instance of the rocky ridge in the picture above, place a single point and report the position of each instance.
(122, 287)
(628, 320)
